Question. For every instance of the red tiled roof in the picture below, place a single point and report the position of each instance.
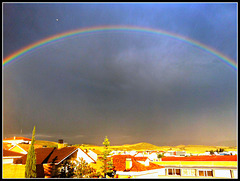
(17, 138)
(41, 155)
(8, 153)
(142, 158)
(202, 158)
(6, 146)
(119, 162)
(59, 154)
(26, 146)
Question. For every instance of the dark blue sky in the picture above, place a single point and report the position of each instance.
(131, 87)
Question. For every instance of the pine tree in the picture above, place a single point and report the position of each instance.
(107, 162)
(30, 168)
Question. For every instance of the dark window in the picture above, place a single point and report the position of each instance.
(177, 171)
(201, 173)
(209, 173)
(170, 172)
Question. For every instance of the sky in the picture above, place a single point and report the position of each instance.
(129, 86)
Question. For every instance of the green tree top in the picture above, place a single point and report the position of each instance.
(30, 168)
(106, 142)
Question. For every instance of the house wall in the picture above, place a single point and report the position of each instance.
(198, 163)
(7, 160)
(18, 171)
(82, 154)
(13, 171)
(93, 155)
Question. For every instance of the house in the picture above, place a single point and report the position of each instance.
(175, 153)
(49, 159)
(9, 156)
(16, 140)
(127, 166)
(23, 148)
(95, 154)
(152, 155)
(6, 146)
(200, 166)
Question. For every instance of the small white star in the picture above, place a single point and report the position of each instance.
(56, 19)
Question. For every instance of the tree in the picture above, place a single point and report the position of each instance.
(30, 168)
(75, 168)
(211, 152)
(160, 155)
(83, 170)
(107, 162)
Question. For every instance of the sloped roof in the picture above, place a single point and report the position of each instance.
(202, 158)
(17, 138)
(142, 158)
(97, 152)
(8, 153)
(119, 162)
(6, 146)
(60, 154)
(26, 146)
(41, 156)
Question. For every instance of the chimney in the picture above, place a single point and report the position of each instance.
(60, 143)
(128, 163)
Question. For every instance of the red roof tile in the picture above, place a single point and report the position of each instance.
(41, 155)
(17, 138)
(59, 154)
(202, 158)
(6, 146)
(26, 146)
(141, 158)
(119, 162)
(8, 153)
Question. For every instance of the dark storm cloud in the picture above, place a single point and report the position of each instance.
(27, 23)
(130, 86)
(140, 84)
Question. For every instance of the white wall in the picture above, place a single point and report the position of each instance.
(82, 154)
(223, 173)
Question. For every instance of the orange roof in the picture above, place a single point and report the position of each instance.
(41, 156)
(142, 158)
(119, 162)
(6, 146)
(17, 138)
(8, 153)
(26, 146)
(202, 158)
(60, 154)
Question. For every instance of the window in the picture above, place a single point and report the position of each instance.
(188, 172)
(174, 171)
(205, 173)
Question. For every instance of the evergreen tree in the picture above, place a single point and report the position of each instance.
(30, 168)
(107, 162)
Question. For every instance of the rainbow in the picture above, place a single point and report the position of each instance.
(60, 36)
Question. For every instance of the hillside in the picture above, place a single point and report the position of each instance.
(46, 143)
(196, 149)
(137, 146)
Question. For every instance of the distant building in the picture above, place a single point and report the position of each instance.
(200, 166)
(95, 154)
(127, 166)
(16, 140)
(23, 148)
